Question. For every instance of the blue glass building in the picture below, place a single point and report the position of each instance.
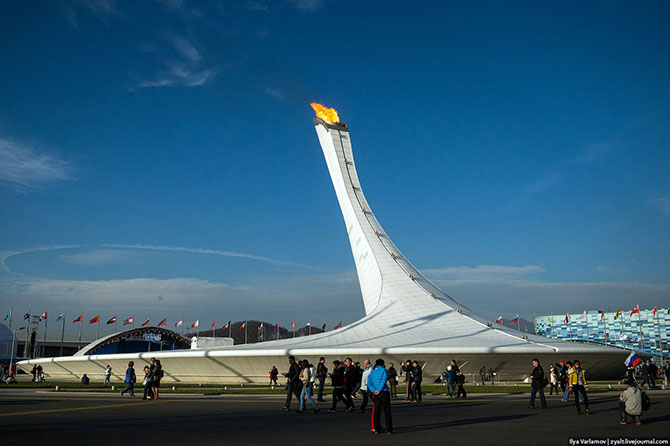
(642, 331)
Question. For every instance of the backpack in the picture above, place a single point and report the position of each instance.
(646, 401)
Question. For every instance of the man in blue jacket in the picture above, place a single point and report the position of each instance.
(381, 400)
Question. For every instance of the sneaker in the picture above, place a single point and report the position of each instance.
(284, 409)
(389, 432)
(331, 411)
(349, 409)
(531, 407)
(588, 412)
(374, 431)
(638, 423)
(624, 422)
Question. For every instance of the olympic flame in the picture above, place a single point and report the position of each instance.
(325, 113)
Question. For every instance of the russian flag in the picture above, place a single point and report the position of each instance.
(499, 320)
(276, 327)
(632, 360)
(515, 320)
(162, 323)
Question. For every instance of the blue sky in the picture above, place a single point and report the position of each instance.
(159, 158)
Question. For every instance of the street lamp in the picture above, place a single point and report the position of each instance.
(11, 360)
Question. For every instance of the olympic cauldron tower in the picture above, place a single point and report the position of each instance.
(406, 315)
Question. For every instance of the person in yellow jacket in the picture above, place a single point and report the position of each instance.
(577, 382)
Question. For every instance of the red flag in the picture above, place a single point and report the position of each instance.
(146, 322)
(129, 321)
(44, 316)
(112, 321)
(654, 310)
(94, 320)
(213, 324)
(163, 323)
(78, 319)
(195, 324)
(635, 310)
(293, 324)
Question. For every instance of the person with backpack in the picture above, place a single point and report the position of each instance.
(630, 403)
(537, 384)
(307, 377)
(156, 377)
(577, 381)
(337, 376)
(130, 379)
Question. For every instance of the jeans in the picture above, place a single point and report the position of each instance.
(129, 388)
(292, 388)
(148, 393)
(307, 393)
(580, 389)
(566, 394)
(553, 388)
(106, 380)
(624, 415)
(534, 391)
(451, 389)
(322, 382)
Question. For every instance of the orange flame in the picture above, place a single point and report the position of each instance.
(325, 113)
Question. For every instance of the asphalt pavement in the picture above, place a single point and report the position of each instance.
(100, 419)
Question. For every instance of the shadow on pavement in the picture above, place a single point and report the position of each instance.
(426, 427)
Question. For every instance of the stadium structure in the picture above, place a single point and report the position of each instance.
(406, 315)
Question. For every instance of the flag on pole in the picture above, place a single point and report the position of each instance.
(583, 315)
(225, 325)
(308, 324)
(293, 324)
(195, 324)
(26, 316)
(243, 325)
(179, 323)
(261, 324)
(95, 320)
(602, 314)
(213, 324)
(323, 327)
(654, 310)
(515, 320)
(338, 326)
(632, 360)
(162, 323)
(567, 318)
(499, 320)
(79, 319)
(276, 327)
(635, 310)
(9, 314)
(111, 320)
(129, 321)
(146, 322)
(618, 313)
(44, 316)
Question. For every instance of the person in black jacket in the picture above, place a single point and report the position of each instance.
(293, 383)
(337, 376)
(321, 373)
(156, 377)
(350, 380)
(407, 370)
(537, 384)
(417, 377)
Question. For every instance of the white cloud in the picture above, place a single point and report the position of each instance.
(24, 167)
(96, 257)
(661, 203)
(186, 49)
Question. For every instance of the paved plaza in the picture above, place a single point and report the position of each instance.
(74, 418)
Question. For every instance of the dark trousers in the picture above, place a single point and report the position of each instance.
(624, 415)
(577, 389)
(338, 395)
(322, 382)
(554, 387)
(417, 390)
(366, 396)
(148, 393)
(294, 387)
(381, 402)
(129, 388)
(533, 392)
(461, 390)
(350, 400)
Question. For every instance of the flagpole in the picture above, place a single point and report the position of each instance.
(518, 324)
(25, 346)
(639, 324)
(552, 325)
(586, 312)
(44, 339)
(230, 329)
(660, 338)
(97, 333)
(570, 326)
(11, 315)
(605, 325)
(62, 334)
(81, 322)
(246, 327)
(623, 333)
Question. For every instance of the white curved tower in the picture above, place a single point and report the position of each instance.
(406, 315)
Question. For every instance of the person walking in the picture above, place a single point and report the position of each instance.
(274, 373)
(482, 373)
(578, 385)
(630, 403)
(553, 380)
(537, 384)
(130, 380)
(450, 377)
(337, 377)
(307, 377)
(350, 381)
(407, 370)
(293, 383)
(364, 385)
(108, 375)
(321, 373)
(666, 374)
(568, 372)
(146, 384)
(393, 380)
(381, 400)
(417, 378)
